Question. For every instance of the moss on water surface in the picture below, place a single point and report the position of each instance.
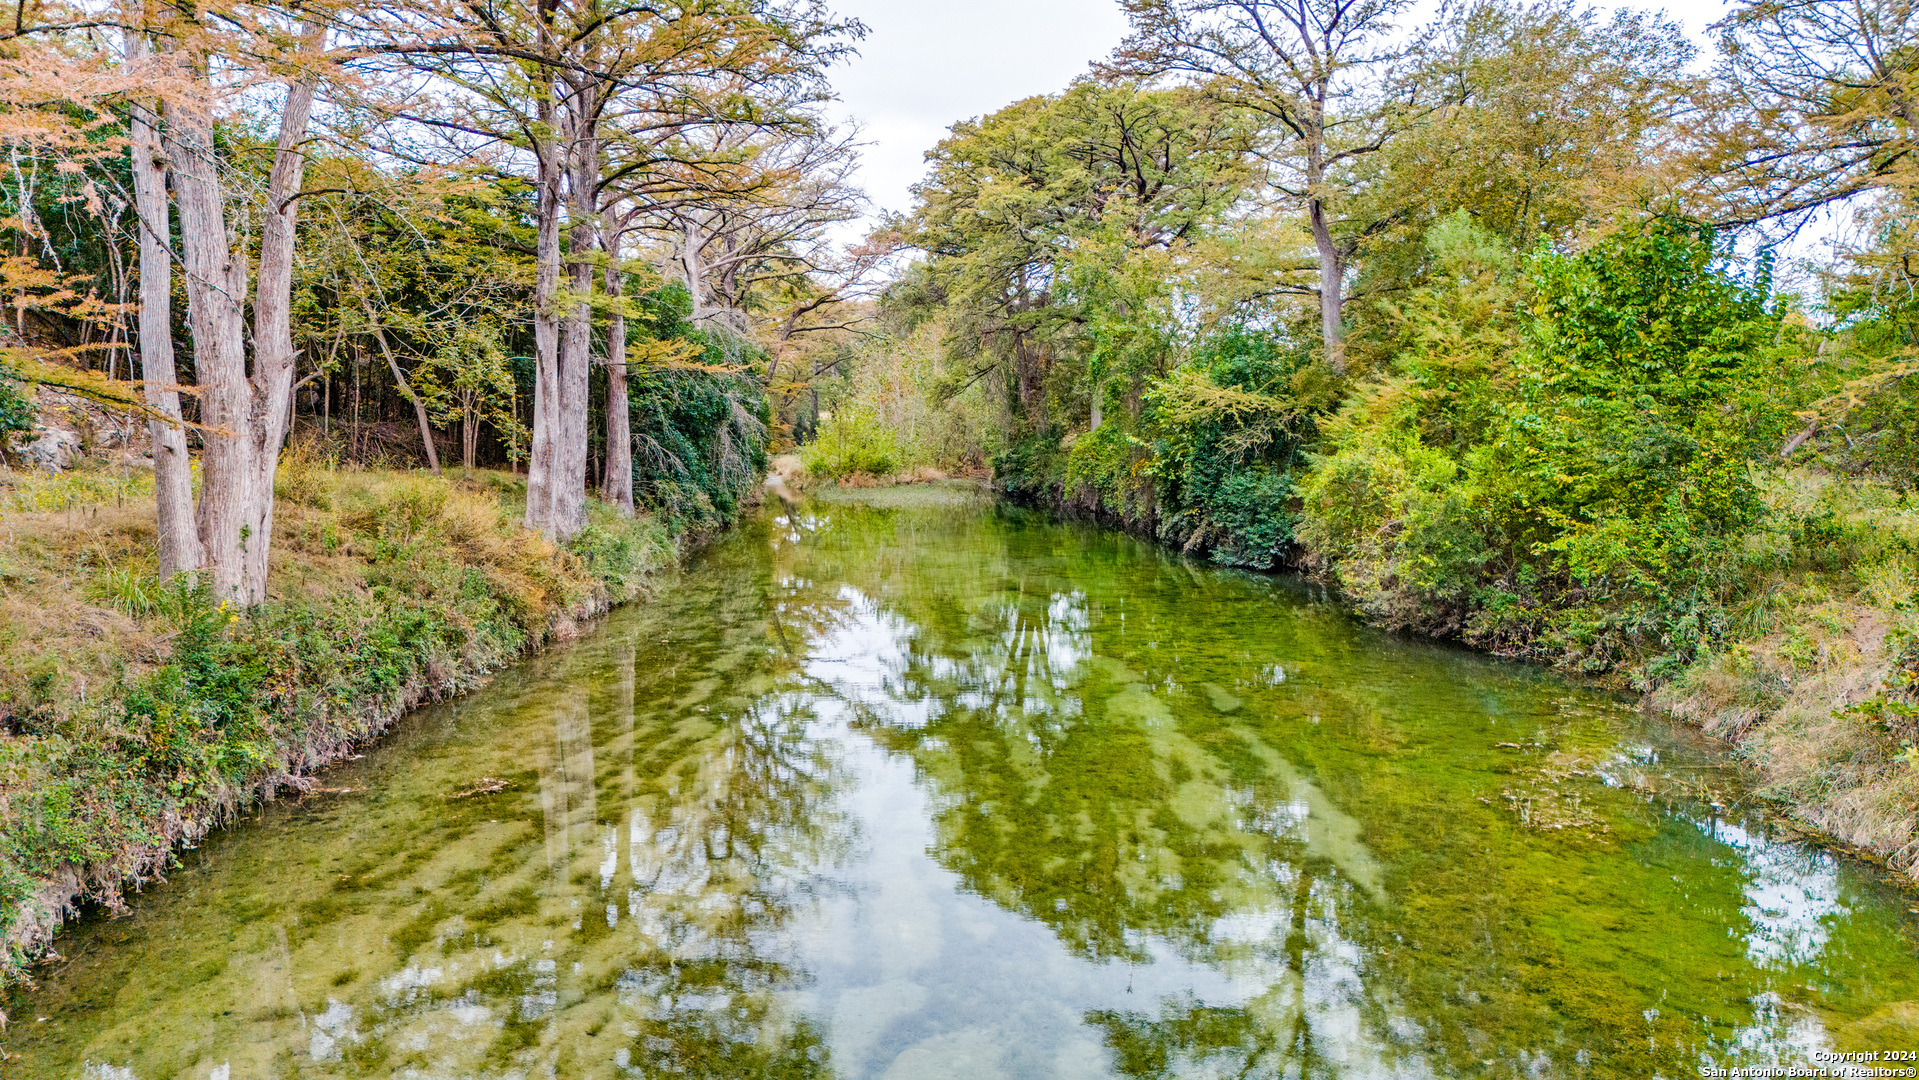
(939, 789)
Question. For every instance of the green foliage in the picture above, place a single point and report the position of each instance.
(1103, 464)
(1584, 497)
(1226, 431)
(1208, 462)
(622, 553)
(701, 444)
(849, 442)
(1868, 415)
(1029, 467)
(1883, 429)
(1551, 111)
(1051, 224)
(16, 409)
(939, 415)
(1640, 400)
(1393, 514)
(1553, 454)
(699, 428)
(468, 378)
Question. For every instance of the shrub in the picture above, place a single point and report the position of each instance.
(16, 408)
(851, 441)
(699, 429)
(1225, 432)
(1584, 496)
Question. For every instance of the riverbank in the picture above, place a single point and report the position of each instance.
(1806, 668)
(136, 716)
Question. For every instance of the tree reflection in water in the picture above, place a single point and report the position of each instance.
(1118, 752)
(945, 792)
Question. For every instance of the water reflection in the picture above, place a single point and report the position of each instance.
(935, 791)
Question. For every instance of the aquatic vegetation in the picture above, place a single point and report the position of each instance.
(936, 786)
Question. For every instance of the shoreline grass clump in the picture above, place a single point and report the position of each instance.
(136, 715)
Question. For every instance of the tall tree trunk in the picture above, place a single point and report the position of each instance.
(353, 432)
(245, 418)
(273, 353)
(1332, 262)
(469, 433)
(179, 537)
(216, 281)
(567, 481)
(690, 264)
(406, 390)
(1332, 275)
(1029, 360)
(546, 329)
(616, 484)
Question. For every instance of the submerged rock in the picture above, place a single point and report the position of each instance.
(1221, 699)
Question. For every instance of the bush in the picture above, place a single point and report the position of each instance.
(849, 442)
(16, 408)
(1225, 432)
(1583, 498)
(700, 429)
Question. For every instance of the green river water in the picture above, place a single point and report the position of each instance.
(917, 786)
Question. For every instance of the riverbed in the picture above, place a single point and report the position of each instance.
(913, 785)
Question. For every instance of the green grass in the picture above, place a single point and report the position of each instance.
(25, 491)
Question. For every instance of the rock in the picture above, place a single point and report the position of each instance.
(1221, 699)
(108, 435)
(68, 428)
(53, 449)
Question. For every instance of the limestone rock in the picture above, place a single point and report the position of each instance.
(53, 449)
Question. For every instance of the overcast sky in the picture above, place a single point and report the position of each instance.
(928, 63)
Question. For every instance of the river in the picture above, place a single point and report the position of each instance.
(915, 786)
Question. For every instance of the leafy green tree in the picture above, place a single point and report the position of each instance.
(468, 379)
(1639, 401)
(1548, 120)
(1032, 216)
(1326, 79)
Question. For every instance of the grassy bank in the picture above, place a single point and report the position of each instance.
(135, 715)
(1813, 678)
